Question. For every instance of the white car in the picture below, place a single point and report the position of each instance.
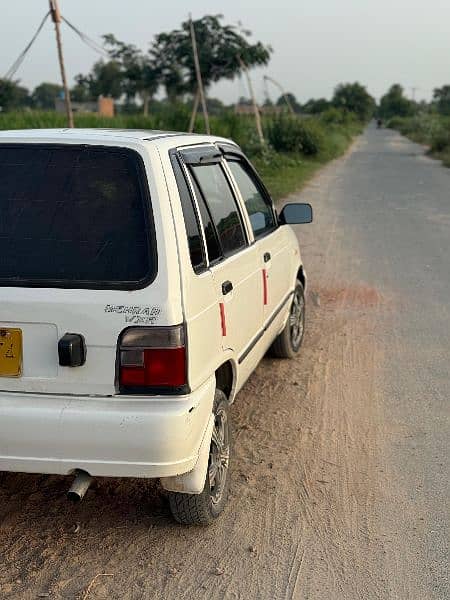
(143, 276)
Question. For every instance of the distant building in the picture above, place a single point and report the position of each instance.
(104, 106)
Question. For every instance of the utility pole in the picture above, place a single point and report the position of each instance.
(194, 111)
(198, 73)
(56, 18)
(255, 105)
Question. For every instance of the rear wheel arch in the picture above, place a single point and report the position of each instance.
(226, 378)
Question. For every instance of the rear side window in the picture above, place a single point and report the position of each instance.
(222, 206)
(191, 223)
(74, 216)
(212, 242)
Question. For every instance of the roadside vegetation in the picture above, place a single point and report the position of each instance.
(427, 124)
(297, 139)
(295, 147)
(432, 130)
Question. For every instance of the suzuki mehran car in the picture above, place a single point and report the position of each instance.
(143, 276)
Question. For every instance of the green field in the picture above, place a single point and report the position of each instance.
(295, 147)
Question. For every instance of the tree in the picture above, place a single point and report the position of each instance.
(12, 95)
(395, 104)
(221, 49)
(44, 95)
(81, 92)
(314, 107)
(291, 99)
(215, 106)
(140, 76)
(105, 79)
(353, 97)
(441, 97)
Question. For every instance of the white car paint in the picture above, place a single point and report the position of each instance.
(57, 419)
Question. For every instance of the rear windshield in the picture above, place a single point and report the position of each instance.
(74, 216)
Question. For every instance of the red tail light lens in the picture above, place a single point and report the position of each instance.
(152, 360)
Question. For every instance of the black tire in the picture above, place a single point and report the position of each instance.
(288, 342)
(204, 508)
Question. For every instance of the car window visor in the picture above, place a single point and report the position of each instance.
(230, 150)
(201, 156)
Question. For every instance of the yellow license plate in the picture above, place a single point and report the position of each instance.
(10, 352)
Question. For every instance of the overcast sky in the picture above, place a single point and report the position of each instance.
(317, 43)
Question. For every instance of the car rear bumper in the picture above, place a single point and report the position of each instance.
(122, 436)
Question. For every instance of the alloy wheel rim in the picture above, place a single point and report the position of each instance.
(219, 456)
(296, 319)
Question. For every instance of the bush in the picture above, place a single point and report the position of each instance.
(337, 116)
(292, 134)
(440, 141)
(396, 123)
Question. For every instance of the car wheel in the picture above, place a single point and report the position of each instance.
(288, 343)
(204, 508)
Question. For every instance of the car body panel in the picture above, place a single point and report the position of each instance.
(57, 419)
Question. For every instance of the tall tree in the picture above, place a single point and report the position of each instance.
(441, 97)
(140, 76)
(44, 95)
(395, 104)
(353, 97)
(105, 79)
(221, 48)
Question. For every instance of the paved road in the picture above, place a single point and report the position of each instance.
(340, 479)
(393, 216)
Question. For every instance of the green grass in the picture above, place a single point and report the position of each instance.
(286, 173)
(283, 172)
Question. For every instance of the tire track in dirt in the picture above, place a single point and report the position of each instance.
(306, 474)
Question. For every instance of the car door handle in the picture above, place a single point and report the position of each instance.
(267, 256)
(227, 286)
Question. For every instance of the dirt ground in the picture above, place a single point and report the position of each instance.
(311, 479)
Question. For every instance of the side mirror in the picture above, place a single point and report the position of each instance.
(296, 214)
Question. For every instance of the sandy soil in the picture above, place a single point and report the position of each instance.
(310, 478)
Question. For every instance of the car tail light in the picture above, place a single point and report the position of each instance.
(152, 360)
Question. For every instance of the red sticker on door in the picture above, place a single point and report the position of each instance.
(265, 291)
(223, 322)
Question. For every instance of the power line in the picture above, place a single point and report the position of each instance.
(19, 60)
(93, 45)
(86, 39)
(56, 18)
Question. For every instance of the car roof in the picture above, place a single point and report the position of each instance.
(105, 135)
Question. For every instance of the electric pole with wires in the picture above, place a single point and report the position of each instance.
(56, 18)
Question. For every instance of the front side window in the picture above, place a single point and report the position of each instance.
(259, 209)
(222, 206)
(74, 216)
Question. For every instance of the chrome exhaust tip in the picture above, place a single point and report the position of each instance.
(79, 486)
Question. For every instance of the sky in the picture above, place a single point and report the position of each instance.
(317, 43)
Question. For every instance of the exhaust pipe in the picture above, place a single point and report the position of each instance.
(79, 486)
